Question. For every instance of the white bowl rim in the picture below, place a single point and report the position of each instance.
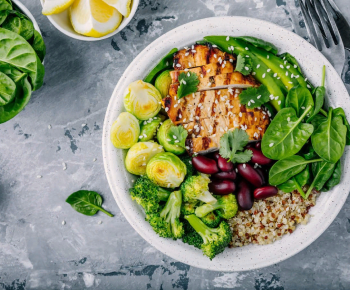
(125, 22)
(335, 199)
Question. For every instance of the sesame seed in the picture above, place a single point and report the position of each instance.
(178, 65)
(258, 97)
(271, 144)
(288, 119)
(188, 74)
(187, 53)
(215, 56)
(279, 102)
(246, 48)
(244, 165)
(252, 101)
(288, 67)
(208, 71)
(268, 70)
(214, 45)
(268, 56)
(253, 73)
(189, 64)
(263, 76)
(166, 109)
(275, 75)
(303, 108)
(258, 66)
(286, 73)
(246, 68)
(281, 66)
(308, 86)
(295, 66)
(227, 38)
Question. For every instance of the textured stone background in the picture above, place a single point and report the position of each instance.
(38, 252)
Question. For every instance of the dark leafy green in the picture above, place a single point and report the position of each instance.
(300, 179)
(254, 97)
(286, 134)
(20, 24)
(87, 202)
(38, 45)
(334, 179)
(329, 138)
(340, 112)
(299, 98)
(320, 93)
(260, 43)
(7, 89)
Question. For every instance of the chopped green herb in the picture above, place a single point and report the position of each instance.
(254, 97)
(177, 136)
(232, 144)
(188, 84)
(244, 64)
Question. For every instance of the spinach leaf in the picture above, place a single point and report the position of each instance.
(20, 24)
(5, 5)
(317, 120)
(291, 59)
(165, 63)
(87, 202)
(300, 179)
(334, 179)
(286, 168)
(340, 112)
(3, 15)
(319, 96)
(7, 89)
(299, 98)
(329, 138)
(310, 154)
(270, 110)
(260, 43)
(38, 45)
(286, 134)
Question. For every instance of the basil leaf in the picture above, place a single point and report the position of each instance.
(340, 112)
(286, 134)
(301, 178)
(334, 179)
(329, 138)
(286, 168)
(299, 98)
(86, 202)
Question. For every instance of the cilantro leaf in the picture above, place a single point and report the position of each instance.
(188, 84)
(244, 64)
(234, 141)
(177, 136)
(254, 97)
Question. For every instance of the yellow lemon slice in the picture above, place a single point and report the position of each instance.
(123, 6)
(56, 6)
(94, 17)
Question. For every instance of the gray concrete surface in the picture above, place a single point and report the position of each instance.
(38, 252)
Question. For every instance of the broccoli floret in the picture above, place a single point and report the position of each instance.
(211, 220)
(196, 188)
(190, 236)
(189, 207)
(166, 222)
(187, 160)
(226, 206)
(147, 194)
(215, 240)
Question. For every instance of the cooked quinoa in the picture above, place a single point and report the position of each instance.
(271, 218)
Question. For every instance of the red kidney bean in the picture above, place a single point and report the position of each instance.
(263, 174)
(258, 145)
(222, 187)
(259, 158)
(204, 164)
(224, 164)
(216, 155)
(250, 174)
(225, 175)
(265, 192)
(245, 195)
(249, 145)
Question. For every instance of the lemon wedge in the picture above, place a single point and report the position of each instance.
(56, 6)
(123, 6)
(94, 17)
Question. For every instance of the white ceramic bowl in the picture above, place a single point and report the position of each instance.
(27, 12)
(252, 256)
(62, 22)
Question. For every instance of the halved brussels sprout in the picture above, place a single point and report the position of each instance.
(162, 137)
(166, 170)
(138, 156)
(125, 131)
(149, 128)
(142, 100)
(163, 82)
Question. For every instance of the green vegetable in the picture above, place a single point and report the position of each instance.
(125, 131)
(334, 179)
(321, 171)
(232, 145)
(138, 156)
(270, 110)
(166, 223)
(274, 85)
(165, 63)
(286, 134)
(38, 45)
(211, 220)
(257, 42)
(317, 120)
(310, 153)
(188, 84)
(163, 82)
(177, 135)
(190, 236)
(187, 160)
(196, 188)
(243, 64)
(226, 207)
(329, 138)
(254, 97)
(286, 168)
(5, 8)
(299, 98)
(340, 112)
(166, 170)
(189, 207)
(162, 137)
(319, 97)
(215, 240)
(87, 202)
(149, 128)
(148, 195)
(3, 15)
(7, 89)
(20, 24)
(298, 180)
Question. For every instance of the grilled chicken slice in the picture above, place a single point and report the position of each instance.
(199, 55)
(234, 79)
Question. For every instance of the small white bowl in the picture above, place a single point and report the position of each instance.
(62, 22)
(27, 12)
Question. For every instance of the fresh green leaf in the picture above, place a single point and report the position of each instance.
(234, 141)
(254, 97)
(301, 178)
(244, 64)
(87, 202)
(7, 89)
(20, 24)
(329, 138)
(299, 98)
(317, 120)
(311, 154)
(286, 168)
(268, 46)
(340, 112)
(334, 179)
(177, 136)
(3, 15)
(320, 92)
(38, 45)
(5, 5)
(188, 84)
(286, 134)
(243, 156)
